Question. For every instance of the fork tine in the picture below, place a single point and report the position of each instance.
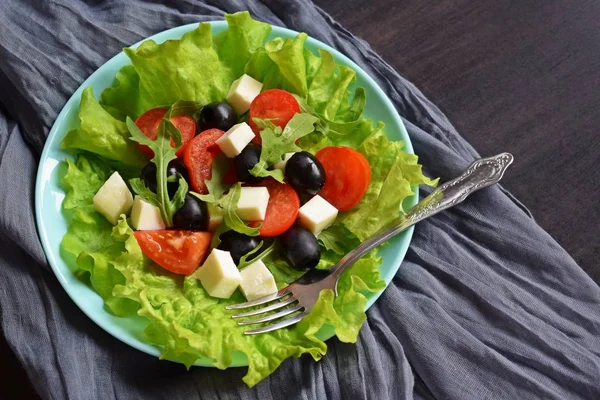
(271, 317)
(258, 302)
(272, 307)
(278, 325)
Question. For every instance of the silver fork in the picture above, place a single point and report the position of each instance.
(298, 298)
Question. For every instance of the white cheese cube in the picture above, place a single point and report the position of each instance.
(113, 198)
(215, 216)
(235, 139)
(281, 164)
(257, 281)
(252, 205)
(242, 92)
(219, 275)
(317, 214)
(145, 216)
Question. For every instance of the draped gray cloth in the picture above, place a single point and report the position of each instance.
(486, 304)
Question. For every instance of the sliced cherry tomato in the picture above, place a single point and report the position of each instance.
(230, 176)
(180, 252)
(282, 209)
(275, 104)
(199, 156)
(149, 121)
(347, 176)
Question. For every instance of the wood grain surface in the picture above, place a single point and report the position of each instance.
(518, 76)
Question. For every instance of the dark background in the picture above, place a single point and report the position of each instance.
(518, 76)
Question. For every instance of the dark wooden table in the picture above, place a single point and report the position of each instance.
(519, 76)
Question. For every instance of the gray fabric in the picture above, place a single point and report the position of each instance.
(486, 305)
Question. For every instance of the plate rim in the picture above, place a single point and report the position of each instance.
(53, 259)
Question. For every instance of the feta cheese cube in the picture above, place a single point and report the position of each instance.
(242, 92)
(281, 164)
(317, 214)
(235, 139)
(219, 275)
(215, 216)
(257, 281)
(113, 198)
(252, 205)
(145, 216)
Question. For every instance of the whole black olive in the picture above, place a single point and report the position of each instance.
(300, 248)
(237, 244)
(192, 216)
(175, 166)
(217, 115)
(305, 173)
(244, 162)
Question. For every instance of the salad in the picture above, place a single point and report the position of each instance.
(218, 169)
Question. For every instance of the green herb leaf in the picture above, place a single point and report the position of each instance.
(215, 185)
(179, 197)
(230, 217)
(138, 186)
(275, 142)
(216, 239)
(182, 107)
(163, 154)
(244, 262)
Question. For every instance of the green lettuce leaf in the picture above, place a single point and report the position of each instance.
(102, 134)
(240, 41)
(123, 99)
(88, 238)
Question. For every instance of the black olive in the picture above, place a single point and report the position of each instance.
(244, 162)
(238, 244)
(305, 173)
(192, 216)
(217, 115)
(175, 166)
(300, 248)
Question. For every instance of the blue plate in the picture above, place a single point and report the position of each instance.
(52, 225)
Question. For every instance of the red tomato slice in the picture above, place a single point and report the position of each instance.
(149, 121)
(199, 156)
(180, 252)
(230, 176)
(282, 209)
(275, 104)
(347, 176)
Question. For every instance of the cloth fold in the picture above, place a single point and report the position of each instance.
(486, 305)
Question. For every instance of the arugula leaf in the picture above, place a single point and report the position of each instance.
(138, 186)
(230, 217)
(244, 262)
(275, 142)
(183, 107)
(163, 154)
(215, 185)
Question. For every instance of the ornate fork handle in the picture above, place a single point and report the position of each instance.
(480, 174)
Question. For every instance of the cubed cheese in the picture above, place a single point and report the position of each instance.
(113, 198)
(252, 205)
(219, 275)
(281, 164)
(235, 139)
(317, 214)
(215, 216)
(145, 216)
(257, 281)
(242, 92)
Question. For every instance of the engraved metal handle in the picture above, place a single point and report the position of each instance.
(480, 174)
